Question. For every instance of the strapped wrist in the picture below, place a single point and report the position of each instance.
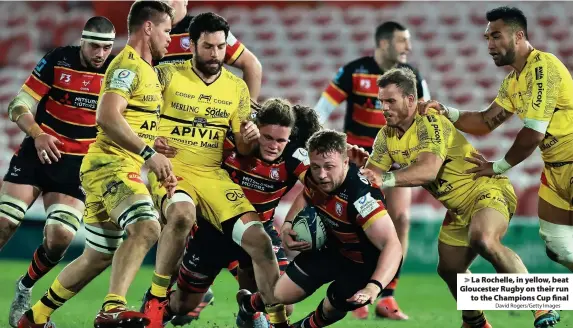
(501, 166)
(453, 114)
(35, 131)
(377, 283)
(388, 179)
(147, 152)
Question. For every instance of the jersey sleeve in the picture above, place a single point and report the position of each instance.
(432, 135)
(369, 206)
(544, 94)
(234, 49)
(340, 87)
(243, 111)
(40, 81)
(122, 78)
(422, 86)
(503, 99)
(380, 156)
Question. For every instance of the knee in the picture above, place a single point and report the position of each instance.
(58, 238)
(446, 270)
(147, 231)
(181, 218)
(289, 309)
(484, 244)
(96, 261)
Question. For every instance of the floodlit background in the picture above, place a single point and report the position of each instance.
(301, 45)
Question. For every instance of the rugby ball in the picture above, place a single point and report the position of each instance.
(310, 228)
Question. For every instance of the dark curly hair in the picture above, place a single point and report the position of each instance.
(305, 126)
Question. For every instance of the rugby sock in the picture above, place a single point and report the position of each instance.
(40, 265)
(112, 301)
(318, 319)
(476, 321)
(159, 285)
(277, 315)
(253, 303)
(55, 297)
(234, 269)
(389, 290)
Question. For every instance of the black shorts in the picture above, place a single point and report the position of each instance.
(328, 265)
(206, 253)
(61, 177)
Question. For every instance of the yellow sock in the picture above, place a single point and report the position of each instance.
(159, 285)
(111, 301)
(277, 314)
(55, 297)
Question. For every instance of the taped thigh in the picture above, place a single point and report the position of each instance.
(12, 209)
(558, 239)
(239, 229)
(65, 215)
(140, 210)
(103, 240)
(178, 197)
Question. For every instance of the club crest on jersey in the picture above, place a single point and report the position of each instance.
(184, 43)
(338, 209)
(274, 173)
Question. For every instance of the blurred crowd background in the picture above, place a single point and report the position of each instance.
(301, 45)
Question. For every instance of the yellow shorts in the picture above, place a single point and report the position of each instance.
(497, 194)
(108, 185)
(215, 195)
(557, 186)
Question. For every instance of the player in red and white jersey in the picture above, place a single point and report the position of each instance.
(355, 83)
(64, 86)
(236, 55)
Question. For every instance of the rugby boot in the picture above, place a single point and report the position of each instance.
(387, 307)
(27, 321)
(547, 318)
(155, 312)
(467, 325)
(361, 313)
(120, 317)
(257, 320)
(181, 320)
(20, 303)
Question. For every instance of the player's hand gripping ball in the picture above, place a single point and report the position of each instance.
(310, 228)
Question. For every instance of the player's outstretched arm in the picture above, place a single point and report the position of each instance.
(423, 171)
(287, 234)
(252, 72)
(381, 234)
(472, 122)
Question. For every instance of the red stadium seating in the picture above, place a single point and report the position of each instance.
(301, 47)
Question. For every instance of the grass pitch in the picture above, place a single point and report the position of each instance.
(424, 297)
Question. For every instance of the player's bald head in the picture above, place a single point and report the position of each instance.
(511, 16)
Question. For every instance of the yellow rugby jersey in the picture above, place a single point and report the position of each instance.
(195, 116)
(542, 96)
(434, 134)
(135, 80)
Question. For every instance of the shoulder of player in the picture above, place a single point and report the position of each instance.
(357, 63)
(406, 65)
(59, 53)
(182, 26)
(232, 78)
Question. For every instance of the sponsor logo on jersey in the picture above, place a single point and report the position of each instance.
(539, 95)
(85, 102)
(185, 108)
(65, 78)
(184, 95)
(122, 79)
(222, 102)
(134, 177)
(234, 194)
(216, 112)
(366, 205)
(538, 73)
(205, 98)
(40, 66)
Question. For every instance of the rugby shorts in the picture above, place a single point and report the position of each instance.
(557, 185)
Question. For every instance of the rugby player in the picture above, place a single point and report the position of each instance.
(116, 197)
(362, 254)
(202, 100)
(64, 87)
(540, 90)
(236, 54)
(356, 83)
(432, 153)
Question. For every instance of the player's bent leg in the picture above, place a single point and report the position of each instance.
(179, 212)
(556, 230)
(487, 228)
(137, 215)
(14, 202)
(324, 315)
(101, 243)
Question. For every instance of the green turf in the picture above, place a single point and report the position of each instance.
(423, 297)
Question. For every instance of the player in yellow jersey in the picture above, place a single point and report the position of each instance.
(540, 91)
(117, 200)
(431, 153)
(202, 100)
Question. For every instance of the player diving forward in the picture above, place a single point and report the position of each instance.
(362, 254)
(432, 154)
(116, 197)
(265, 177)
(202, 100)
(57, 137)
